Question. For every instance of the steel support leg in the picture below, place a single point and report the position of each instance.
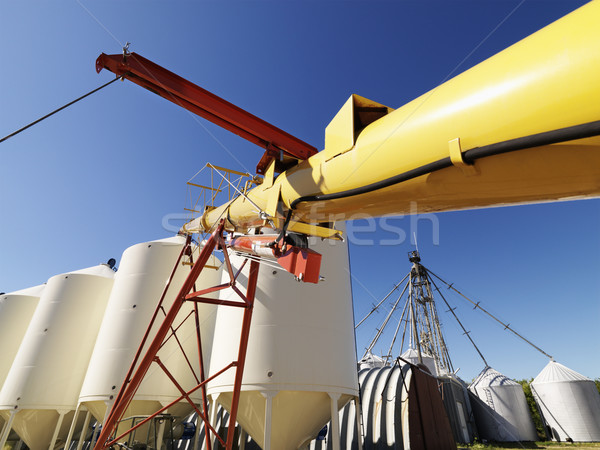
(7, 428)
(243, 438)
(61, 416)
(197, 444)
(161, 434)
(359, 429)
(213, 417)
(335, 421)
(72, 428)
(268, 418)
(86, 425)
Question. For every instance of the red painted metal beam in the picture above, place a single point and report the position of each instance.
(167, 406)
(135, 377)
(131, 385)
(186, 94)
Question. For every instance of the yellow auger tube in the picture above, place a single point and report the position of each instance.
(548, 81)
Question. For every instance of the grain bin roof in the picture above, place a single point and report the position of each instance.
(555, 372)
(491, 377)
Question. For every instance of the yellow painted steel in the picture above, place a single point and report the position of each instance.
(548, 81)
(203, 187)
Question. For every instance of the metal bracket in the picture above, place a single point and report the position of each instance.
(456, 157)
(273, 200)
(311, 230)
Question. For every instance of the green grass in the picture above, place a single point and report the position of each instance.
(532, 445)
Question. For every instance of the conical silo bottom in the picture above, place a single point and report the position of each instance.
(137, 408)
(36, 426)
(296, 417)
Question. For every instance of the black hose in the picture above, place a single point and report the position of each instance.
(582, 131)
(535, 140)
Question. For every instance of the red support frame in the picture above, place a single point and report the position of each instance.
(139, 367)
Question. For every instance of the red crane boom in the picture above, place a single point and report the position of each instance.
(188, 95)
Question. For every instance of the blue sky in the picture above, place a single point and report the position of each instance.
(100, 176)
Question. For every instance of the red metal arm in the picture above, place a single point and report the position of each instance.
(186, 94)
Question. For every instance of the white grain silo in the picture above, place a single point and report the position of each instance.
(301, 361)
(143, 274)
(502, 414)
(16, 310)
(569, 403)
(371, 361)
(45, 378)
(412, 356)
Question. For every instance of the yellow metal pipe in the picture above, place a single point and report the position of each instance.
(545, 82)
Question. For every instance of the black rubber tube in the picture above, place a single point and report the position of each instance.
(535, 140)
(423, 170)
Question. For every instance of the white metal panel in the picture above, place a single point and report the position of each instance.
(458, 407)
(47, 372)
(405, 411)
(381, 392)
(301, 346)
(371, 420)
